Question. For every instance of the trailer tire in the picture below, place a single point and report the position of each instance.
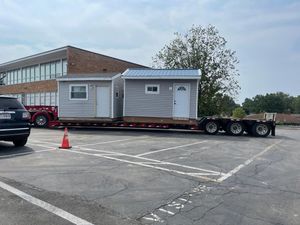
(261, 130)
(235, 128)
(211, 127)
(41, 120)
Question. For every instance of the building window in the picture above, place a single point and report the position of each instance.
(37, 72)
(23, 75)
(152, 89)
(58, 69)
(78, 92)
(47, 71)
(37, 99)
(48, 98)
(19, 76)
(53, 71)
(64, 67)
(27, 74)
(32, 76)
(32, 102)
(53, 99)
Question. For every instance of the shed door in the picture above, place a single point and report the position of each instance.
(181, 104)
(103, 99)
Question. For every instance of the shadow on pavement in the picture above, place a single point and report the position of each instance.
(8, 150)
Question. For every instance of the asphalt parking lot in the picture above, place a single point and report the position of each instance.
(132, 177)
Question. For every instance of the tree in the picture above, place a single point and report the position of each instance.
(296, 104)
(238, 113)
(273, 102)
(203, 48)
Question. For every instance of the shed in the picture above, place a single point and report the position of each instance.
(161, 95)
(91, 97)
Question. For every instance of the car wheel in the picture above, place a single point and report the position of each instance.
(41, 120)
(20, 142)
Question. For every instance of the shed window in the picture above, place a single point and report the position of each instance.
(152, 89)
(78, 92)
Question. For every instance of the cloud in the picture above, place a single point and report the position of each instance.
(265, 34)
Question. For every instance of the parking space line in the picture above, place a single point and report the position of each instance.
(47, 150)
(17, 154)
(247, 162)
(25, 153)
(144, 165)
(171, 148)
(39, 145)
(113, 141)
(166, 211)
(155, 160)
(42, 204)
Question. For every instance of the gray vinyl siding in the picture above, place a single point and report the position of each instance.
(139, 104)
(118, 101)
(80, 108)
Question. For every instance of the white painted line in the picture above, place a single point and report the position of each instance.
(38, 145)
(50, 208)
(156, 161)
(113, 141)
(43, 142)
(148, 218)
(171, 148)
(25, 153)
(247, 162)
(48, 150)
(141, 164)
(166, 211)
(17, 154)
(154, 217)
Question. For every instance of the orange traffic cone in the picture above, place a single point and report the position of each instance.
(65, 141)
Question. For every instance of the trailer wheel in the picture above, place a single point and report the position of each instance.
(261, 130)
(235, 128)
(41, 120)
(211, 127)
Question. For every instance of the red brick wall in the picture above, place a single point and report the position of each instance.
(81, 61)
(38, 86)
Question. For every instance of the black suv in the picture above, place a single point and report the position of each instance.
(14, 121)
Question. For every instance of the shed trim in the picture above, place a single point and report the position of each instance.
(162, 78)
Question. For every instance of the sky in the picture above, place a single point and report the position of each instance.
(264, 33)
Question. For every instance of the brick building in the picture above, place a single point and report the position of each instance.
(33, 79)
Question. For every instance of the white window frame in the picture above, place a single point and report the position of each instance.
(152, 92)
(79, 85)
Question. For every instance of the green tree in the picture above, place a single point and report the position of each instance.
(203, 48)
(296, 104)
(273, 102)
(238, 113)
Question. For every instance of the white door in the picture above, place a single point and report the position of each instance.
(103, 99)
(181, 102)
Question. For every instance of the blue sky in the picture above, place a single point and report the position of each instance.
(264, 33)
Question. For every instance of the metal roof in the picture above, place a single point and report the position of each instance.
(162, 74)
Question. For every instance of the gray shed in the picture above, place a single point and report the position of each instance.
(90, 97)
(161, 95)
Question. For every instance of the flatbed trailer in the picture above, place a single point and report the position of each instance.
(47, 116)
(210, 125)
